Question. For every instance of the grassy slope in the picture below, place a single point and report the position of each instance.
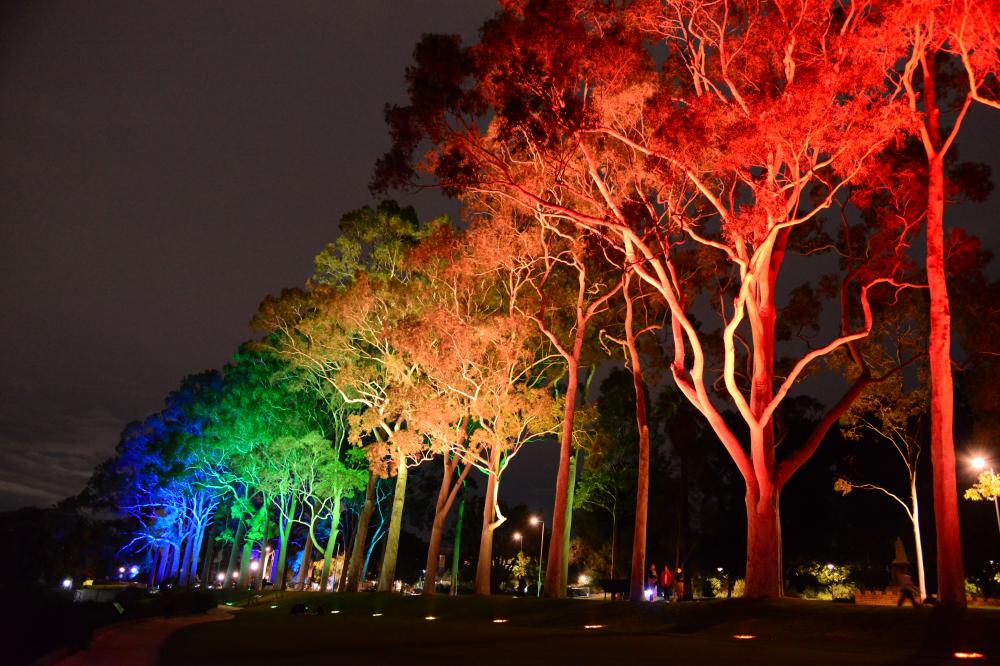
(536, 631)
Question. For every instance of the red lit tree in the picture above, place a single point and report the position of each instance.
(939, 32)
(756, 121)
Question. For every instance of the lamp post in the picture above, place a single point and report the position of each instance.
(520, 542)
(535, 520)
(980, 464)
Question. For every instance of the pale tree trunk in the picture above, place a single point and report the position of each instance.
(917, 542)
(446, 497)
(285, 531)
(161, 571)
(237, 540)
(330, 544)
(244, 578)
(951, 576)
(485, 562)
(456, 546)
(387, 573)
(564, 574)
(361, 536)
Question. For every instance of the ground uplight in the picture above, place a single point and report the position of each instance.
(499, 621)
(594, 626)
(969, 655)
(744, 637)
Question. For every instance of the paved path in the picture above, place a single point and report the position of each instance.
(136, 643)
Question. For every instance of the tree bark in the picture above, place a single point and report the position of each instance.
(303, 576)
(763, 579)
(456, 546)
(361, 536)
(206, 569)
(567, 533)
(348, 553)
(387, 573)
(638, 581)
(285, 531)
(237, 540)
(553, 587)
(917, 542)
(485, 562)
(330, 545)
(446, 497)
(951, 576)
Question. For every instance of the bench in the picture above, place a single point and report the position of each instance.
(614, 586)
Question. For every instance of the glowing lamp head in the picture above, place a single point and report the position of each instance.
(121, 569)
(979, 462)
(535, 520)
(830, 567)
(236, 574)
(134, 570)
(254, 565)
(221, 577)
(517, 536)
(68, 583)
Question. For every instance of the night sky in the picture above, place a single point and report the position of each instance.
(163, 167)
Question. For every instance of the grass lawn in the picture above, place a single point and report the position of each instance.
(554, 632)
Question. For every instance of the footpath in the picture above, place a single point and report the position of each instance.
(136, 643)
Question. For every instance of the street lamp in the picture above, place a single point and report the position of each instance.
(980, 464)
(520, 542)
(535, 520)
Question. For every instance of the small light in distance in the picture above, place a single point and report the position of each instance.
(376, 614)
(969, 655)
(273, 606)
(134, 570)
(594, 626)
(334, 612)
(499, 621)
(430, 617)
(68, 583)
(744, 637)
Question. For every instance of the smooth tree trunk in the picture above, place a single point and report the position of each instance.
(244, 579)
(206, 569)
(917, 542)
(285, 527)
(484, 565)
(763, 577)
(361, 536)
(456, 558)
(570, 496)
(348, 554)
(553, 587)
(446, 497)
(302, 579)
(237, 541)
(387, 572)
(330, 544)
(951, 575)
(151, 579)
(637, 585)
